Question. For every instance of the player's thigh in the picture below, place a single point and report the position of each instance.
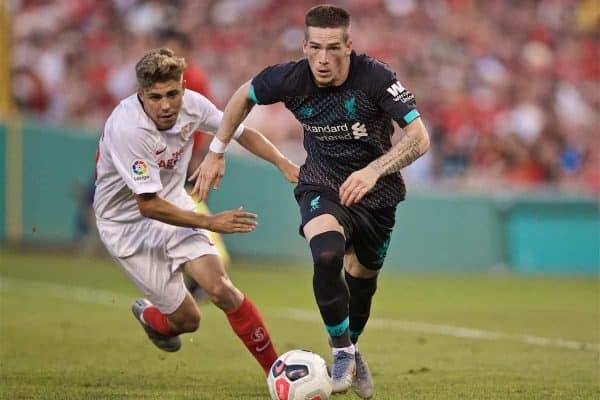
(153, 260)
(149, 270)
(371, 237)
(320, 212)
(355, 268)
(181, 246)
(187, 244)
(208, 271)
(322, 223)
(192, 249)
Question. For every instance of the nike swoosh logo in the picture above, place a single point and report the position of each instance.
(161, 151)
(262, 348)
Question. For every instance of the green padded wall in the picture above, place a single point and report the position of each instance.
(435, 231)
(554, 235)
(56, 161)
(2, 182)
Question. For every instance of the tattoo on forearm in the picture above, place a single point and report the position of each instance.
(402, 154)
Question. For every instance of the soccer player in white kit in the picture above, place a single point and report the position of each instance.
(146, 219)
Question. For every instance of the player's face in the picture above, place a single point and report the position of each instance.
(162, 102)
(328, 53)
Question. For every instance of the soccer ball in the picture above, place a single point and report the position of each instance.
(299, 375)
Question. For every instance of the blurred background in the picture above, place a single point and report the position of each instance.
(509, 91)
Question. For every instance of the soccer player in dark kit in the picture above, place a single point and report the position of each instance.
(350, 183)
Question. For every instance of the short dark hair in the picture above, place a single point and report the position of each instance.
(327, 16)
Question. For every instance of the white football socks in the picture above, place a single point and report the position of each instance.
(350, 349)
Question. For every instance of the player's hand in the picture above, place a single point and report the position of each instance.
(208, 173)
(232, 221)
(289, 170)
(358, 185)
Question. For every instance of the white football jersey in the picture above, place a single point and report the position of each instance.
(134, 157)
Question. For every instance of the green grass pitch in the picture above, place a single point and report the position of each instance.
(66, 332)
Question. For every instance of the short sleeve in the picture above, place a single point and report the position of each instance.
(392, 97)
(134, 155)
(268, 86)
(211, 116)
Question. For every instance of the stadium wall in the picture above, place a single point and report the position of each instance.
(436, 231)
(426, 224)
(54, 163)
(3, 180)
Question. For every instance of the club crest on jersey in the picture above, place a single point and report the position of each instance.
(186, 131)
(139, 169)
(350, 106)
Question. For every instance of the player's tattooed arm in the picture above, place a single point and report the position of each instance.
(413, 145)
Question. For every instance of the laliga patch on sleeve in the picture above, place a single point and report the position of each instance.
(139, 169)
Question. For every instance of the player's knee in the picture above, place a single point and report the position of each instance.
(192, 322)
(328, 260)
(186, 321)
(222, 293)
(328, 256)
(328, 253)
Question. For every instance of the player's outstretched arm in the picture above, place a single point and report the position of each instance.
(413, 145)
(212, 168)
(231, 221)
(257, 144)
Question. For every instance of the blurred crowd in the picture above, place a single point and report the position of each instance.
(509, 90)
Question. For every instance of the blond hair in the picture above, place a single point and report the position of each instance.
(159, 65)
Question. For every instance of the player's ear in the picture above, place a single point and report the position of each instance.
(183, 85)
(140, 94)
(304, 47)
(348, 47)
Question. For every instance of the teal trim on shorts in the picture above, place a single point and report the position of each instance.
(252, 94)
(411, 116)
(339, 329)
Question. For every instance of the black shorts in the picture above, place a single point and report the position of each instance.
(367, 230)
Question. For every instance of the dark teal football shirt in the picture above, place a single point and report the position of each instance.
(345, 127)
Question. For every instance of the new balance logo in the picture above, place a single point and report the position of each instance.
(314, 203)
(359, 130)
(396, 89)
